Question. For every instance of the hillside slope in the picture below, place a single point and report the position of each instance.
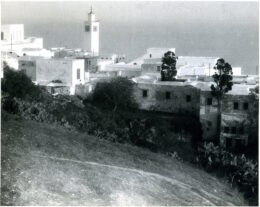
(44, 164)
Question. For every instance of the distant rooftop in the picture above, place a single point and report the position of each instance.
(237, 89)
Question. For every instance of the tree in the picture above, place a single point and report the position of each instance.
(114, 94)
(168, 71)
(222, 84)
(17, 84)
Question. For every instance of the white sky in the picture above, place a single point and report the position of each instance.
(133, 12)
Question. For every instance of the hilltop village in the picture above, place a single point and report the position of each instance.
(76, 72)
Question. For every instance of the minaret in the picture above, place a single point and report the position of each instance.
(91, 34)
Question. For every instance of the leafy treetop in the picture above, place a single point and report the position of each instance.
(222, 78)
(168, 71)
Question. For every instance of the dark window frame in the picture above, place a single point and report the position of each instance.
(145, 93)
(226, 130)
(209, 101)
(245, 105)
(235, 106)
(78, 74)
(167, 95)
(241, 130)
(233, 130)
(87, 28)
(188, 98)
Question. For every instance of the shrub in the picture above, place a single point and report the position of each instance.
(114, 94)
(237, 168)
(17, 84)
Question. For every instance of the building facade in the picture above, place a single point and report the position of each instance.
(170, 97)
(195, 98)
(44, 71)
(236, 108)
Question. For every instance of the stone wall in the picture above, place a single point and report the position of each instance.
(172, 98)
(49, 70)
(234, 120)
(208, 115)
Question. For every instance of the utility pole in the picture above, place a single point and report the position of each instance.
(11, 43)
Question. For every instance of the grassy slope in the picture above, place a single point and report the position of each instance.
(44, 164)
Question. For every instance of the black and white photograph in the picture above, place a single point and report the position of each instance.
(129, 103)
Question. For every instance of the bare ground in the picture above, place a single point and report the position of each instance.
(45, 164)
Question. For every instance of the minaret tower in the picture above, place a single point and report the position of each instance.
(91, 34)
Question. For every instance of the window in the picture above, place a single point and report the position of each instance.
(233, 130)
(168, 95)
(150, 55)
(226, 129)
(87, 28)
(239, 144)
(145, 93)
(188, 98)
(78, 73)
(245, 106)
(236, 105)
(228, 142)
(241, 130)
(2, 36)
(158, 68)
(209, 101)
(95, 29)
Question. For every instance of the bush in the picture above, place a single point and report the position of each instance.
(114, 94)
(239, 170)
(17, 84)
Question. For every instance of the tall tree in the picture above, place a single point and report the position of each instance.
(168, 71)
(222, 84)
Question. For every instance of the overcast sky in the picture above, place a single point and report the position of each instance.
(226, 29)
(133, 12)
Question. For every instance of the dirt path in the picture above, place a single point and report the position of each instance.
(208, 198)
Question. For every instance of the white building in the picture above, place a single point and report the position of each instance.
(152, 56)
(151, 62)
(237, 70)
(14, 44)
(43, 71)
(13, 40)
(91, 34)
(41, 52)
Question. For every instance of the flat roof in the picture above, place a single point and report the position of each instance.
(237, 89)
